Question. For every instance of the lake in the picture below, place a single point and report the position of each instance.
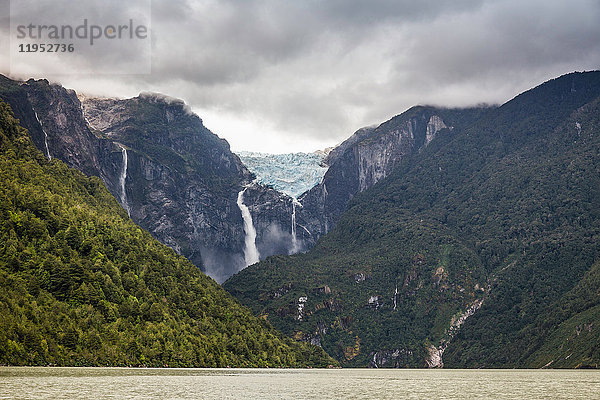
(141, 383)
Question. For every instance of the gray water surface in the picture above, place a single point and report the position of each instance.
(134, 383)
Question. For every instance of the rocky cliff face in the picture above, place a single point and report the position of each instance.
(364, 159)
(175, 178)
(65, 132)
(276, 217)
(355, 165)
(181, 182)
(470, 253)
(53, 116)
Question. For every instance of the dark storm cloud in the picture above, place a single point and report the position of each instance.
(278, 73)
(232, 40)
(356, 12)
(318, 69)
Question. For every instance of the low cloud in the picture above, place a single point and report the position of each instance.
(288, 76)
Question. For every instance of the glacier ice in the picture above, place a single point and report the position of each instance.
(291, 173)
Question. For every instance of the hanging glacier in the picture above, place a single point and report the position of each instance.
(291, 173)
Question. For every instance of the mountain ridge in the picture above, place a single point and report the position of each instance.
(135, 146)
(82, 285)
(476, 228)
(182, 181)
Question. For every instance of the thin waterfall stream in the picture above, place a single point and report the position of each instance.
(45, 136)
(122, 180)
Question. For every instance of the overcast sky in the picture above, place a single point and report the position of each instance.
(284, 76)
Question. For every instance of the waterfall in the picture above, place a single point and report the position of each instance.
(45, 136)
(122, 179)
(294, 238)
(251, 255)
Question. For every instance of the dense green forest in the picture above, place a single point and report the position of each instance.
(80, 284)
(504, 213)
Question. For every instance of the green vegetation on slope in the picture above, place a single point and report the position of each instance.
(574, 340)
(506, 211)
(80, 284)
(350, 293)
(380, 284)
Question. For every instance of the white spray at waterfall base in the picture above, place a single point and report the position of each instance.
(122, 179)
(251, 255)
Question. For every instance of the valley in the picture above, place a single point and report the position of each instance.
(442, 237)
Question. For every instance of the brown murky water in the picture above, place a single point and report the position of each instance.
(128, 383)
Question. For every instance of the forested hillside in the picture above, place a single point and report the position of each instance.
(80, 284)
(479, 251)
